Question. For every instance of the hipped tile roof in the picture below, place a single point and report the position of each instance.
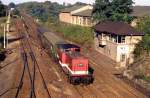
(117, 28)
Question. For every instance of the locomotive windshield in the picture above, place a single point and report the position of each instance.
(69, 47)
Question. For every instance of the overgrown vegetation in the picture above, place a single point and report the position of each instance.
(114, 10)
(42, 10)
(2, 52)
(2, 20)
(77, 34)
(47, 13)
(143, 77)
(146, 78)
(143, 47)
(2, 9)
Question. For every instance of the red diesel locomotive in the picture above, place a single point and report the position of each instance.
(73, 64)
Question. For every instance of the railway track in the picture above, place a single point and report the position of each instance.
(105, 86)
(26, 55)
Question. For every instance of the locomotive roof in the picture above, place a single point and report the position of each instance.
(67, 46)
(74, 54)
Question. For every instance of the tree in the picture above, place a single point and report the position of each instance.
(2, 9)
(80, 3)
(143, 47)
(12, 5)
(114, 10)
(42, 11)
(47, 2)
(101, 10)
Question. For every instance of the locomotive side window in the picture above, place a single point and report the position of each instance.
(67, 50)
(78, 50)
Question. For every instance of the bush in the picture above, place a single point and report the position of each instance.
(143, 48)
(146, 78)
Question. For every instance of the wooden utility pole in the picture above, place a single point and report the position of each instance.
(8, 25)
(6, 30)
(4, 36)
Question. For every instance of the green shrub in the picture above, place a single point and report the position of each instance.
(146, 78)
(143, 47)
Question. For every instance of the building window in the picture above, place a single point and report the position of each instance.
(121, 39)
(113, 38)
(84, 21)
(96, 34)
(122, 57)
(99, 36)
(109, 37)
(80, 21)
(104, 36)
(88, 21)
(76, 20)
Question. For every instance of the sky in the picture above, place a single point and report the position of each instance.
(137, 2)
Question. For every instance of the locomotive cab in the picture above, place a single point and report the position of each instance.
(63, 49)
(75, 65)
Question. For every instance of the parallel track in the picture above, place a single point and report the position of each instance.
(24, 55)
(26, 50)
(36, 63)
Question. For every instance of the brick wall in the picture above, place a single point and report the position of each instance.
(65, 17)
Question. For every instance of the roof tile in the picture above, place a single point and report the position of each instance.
(117, 28)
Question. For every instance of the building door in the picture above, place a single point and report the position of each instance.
(123, 59)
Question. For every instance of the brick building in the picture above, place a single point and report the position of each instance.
(117, 40)
(77, 14)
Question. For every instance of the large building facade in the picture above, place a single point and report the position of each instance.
(78, 15)
(117, 40)
(81, 14)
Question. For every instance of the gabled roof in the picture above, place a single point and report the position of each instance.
(85, 13)
(117, 28)
(140, 11)
(69, 9)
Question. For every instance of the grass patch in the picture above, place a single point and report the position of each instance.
(145, 78)
(74, 33)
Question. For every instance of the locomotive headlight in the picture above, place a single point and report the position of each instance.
(80, 65)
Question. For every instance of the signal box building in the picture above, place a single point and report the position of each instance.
(77, 15)
(117, 40)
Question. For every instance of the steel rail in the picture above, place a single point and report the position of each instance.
(26, 65)
(23, 71)
(21, 80)
(35, 62)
